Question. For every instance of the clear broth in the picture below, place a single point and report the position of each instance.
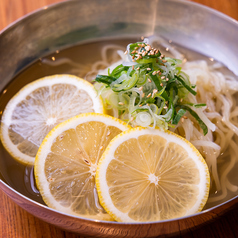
(21, 177)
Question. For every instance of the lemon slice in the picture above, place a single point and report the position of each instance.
(66, 163)
(41, 105)
(149, 175)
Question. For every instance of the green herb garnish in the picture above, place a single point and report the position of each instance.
(151, 91)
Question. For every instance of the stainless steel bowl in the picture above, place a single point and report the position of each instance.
(72, 22)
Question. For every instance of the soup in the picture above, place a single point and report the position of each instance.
(85, 61)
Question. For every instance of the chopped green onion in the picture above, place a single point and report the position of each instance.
(153, 90)
(195, 115)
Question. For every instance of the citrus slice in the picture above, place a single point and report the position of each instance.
(41, 105)
(149, 175)
(66, 163)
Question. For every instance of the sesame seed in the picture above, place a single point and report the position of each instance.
(125, 52)
(144, 53)
(163, 77)
(140, 88)
(138, 68)
(182, 119)
(101, 147)
(167, 79)
(165, 107)
(133, 67)
(136, 48)
(164, 61)
(155, 91)
(148, 95)
(143, 45)
(109, 133)
(140, 105)
(162, 56)
(132, 118)
(149, 80)
(132, 56)
(148, 48)
(133, 52)
(148, 68)
(142, 38)
(121, 103)
(185, 117)
(154, 73)
(143, 94)
(161, 85)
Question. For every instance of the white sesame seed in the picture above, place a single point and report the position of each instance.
(149, 80)
(148, 68)
(140, 88)
(163, 77)
(101, 147)
(144, 53)
(121, 103)
(125, 52)
(148, 48)
(148, 95)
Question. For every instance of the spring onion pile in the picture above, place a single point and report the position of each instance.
(149, 89)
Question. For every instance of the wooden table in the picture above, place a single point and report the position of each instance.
(17, 223)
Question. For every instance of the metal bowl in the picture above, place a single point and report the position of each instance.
(72, 22)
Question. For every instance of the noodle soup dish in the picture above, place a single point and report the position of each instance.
(120, 124)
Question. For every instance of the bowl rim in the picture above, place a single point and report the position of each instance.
(113, 222)
(4, 184)
(185, 2)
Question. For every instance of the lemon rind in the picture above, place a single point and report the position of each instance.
(44, 149)
(26, 90)
(101, 183)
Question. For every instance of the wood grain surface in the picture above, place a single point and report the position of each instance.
(17, 223)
